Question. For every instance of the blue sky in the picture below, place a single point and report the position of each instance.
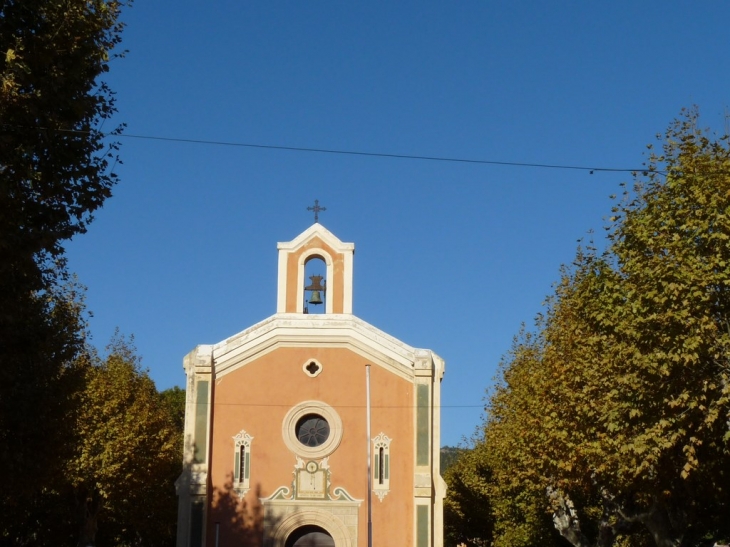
(449, 256)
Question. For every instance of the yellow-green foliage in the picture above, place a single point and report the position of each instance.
(129, 453)
(620, 401)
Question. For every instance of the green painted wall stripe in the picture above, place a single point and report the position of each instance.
(422, 525)
(201, 421)
(196, 523)
(422, 432)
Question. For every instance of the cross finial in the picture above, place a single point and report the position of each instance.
(316, 210)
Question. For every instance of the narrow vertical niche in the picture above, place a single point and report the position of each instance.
(315, 285)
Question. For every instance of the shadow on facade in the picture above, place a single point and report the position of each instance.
(237, 521)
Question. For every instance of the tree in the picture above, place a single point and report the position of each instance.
(40, 384)
(174, 398)
(124, 469)
(518, 447)
(467, 510)
(52, 161)
(54, 173)
(488, 505)
(616, 411)
(117, 484)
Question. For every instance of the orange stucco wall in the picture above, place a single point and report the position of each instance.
(256, 397)
(335, 286)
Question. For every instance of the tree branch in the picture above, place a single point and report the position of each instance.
(565, 518)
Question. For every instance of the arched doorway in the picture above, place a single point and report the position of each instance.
(310, 536)
(288, 523)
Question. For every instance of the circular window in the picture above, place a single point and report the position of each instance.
(312, 429)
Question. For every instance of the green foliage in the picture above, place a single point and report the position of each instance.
(467, 508)
(129, 456)
(39, 387)
(118, 475)
(449, 455)
(54, 164)
(615, 415)
(175, 400)
(483, 508)
(53, 167)
(54, 173)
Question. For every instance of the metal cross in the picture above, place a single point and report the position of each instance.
(316, 210)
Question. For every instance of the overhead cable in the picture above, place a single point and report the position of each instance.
(591, 170)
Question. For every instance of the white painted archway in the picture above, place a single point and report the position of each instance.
(329, 522)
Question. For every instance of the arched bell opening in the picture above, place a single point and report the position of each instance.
(310, 536)
(315, 285)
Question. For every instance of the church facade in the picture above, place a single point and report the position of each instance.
(312, 428)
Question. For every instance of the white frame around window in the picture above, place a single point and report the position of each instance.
(381, 465)
(289, 433)
(242, 465)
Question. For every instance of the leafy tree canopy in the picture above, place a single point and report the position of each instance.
(54, 168)
(467, 510)
(129, 455)
(174, 398)
(615, 414)
(54, 173)
(116, 483)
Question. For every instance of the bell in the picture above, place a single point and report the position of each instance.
(315, 298)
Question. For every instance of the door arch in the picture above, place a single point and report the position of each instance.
(297, 520)
(310, 536)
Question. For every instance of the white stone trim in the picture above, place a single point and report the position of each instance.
(324, 234)
(242, 482)
(281, 283)
(305, 368)
(338, 247)
(291, 515)
(439, 483)
(381, 468)
(288, 429)
(347, 282)
(335, 330)
(192, 484)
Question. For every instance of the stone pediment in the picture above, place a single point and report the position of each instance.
(316, 230)
(330, 330)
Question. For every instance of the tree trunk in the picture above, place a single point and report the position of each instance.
(565, 519)
(661, 529)
(612, 523)
(88, 512)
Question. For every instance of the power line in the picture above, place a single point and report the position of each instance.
(591, 170)
(281, 405)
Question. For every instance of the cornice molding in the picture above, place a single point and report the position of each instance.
(327, 330)
(315, 230)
